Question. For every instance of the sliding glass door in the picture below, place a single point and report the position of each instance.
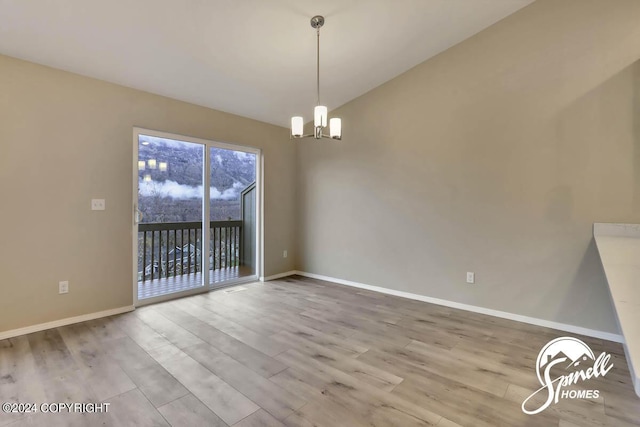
(195, 215)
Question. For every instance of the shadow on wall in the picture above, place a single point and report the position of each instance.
(594, 136)
(587, 289)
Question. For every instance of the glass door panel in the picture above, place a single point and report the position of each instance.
(232, 243)
(170, 216)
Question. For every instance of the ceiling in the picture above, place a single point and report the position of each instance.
(254, 58)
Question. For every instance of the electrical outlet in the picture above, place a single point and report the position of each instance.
(471, 277)
(63, 287)
(285, 254)
(98, 204)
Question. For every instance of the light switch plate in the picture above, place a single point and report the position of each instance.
(63, 287)
(98, 204)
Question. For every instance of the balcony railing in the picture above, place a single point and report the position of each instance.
(172, 249)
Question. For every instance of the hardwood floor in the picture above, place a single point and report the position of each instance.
(300, 352)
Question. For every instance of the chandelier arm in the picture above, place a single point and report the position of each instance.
(302, 136)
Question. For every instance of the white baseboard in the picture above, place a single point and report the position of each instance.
(64, 322)
(482, 310)
(278, 276)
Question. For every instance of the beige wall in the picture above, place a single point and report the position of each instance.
(496, 157)
(65, 139)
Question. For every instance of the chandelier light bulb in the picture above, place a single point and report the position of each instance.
(320, 116)
(335, 128)
(297, 126)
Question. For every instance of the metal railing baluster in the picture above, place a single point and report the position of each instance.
(153, 235)
(144, 256)
(175, 250)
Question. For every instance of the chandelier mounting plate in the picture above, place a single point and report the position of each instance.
(317, 21)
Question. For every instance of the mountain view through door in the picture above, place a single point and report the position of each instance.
(171, 187)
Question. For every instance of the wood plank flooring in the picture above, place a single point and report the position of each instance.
(299, 352)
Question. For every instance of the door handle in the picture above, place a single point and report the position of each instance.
(137, 215)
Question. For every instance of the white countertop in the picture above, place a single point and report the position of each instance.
(619, 248)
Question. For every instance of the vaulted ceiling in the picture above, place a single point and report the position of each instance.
(255, 58)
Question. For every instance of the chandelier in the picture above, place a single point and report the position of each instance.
(320, 112)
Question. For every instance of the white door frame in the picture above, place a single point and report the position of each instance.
(259, 268)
